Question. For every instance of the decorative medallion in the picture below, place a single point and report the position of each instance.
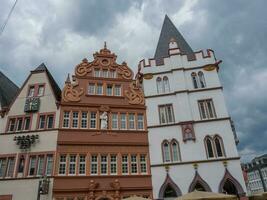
(69, 94)
(210, 67)
(148, 76)
(135, 94)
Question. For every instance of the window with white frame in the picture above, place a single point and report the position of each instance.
(113, 164)
(93, 120)
(41, 122)
(206, 108)
(97, 73)
(3, 162)
(143, 166)
(104, 164)
(40, 91)
(10, 167)
(166, 85)
(66, 119)
(166, 114)
(19, 124)
(31, 91)
(124, 166)
(99, 89)
(166, 152)
(175, 151)
(140, 121)
(91, 88)
(84, 120)
(209, 147)
(94, 164)
(112, 74)
(131, 121)
(27, 123)
(75, 118)
(114, 119)
(82, 164)
(109, 91)
(50, 121)
(12, 125)
(32, 166)
(40, 166)
(117, 90)
(72, 164)
(123, 122)
(159, 85)
(49, 165)
(105, 73)
(134, 164)
(62, 164)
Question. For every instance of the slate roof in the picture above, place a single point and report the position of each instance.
(169, 31)
(8, 90)
(56, 89)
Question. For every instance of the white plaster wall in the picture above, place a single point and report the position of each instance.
(212, 173)
(24, 189)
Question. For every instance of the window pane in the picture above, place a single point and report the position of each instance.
(105, 73)
(84, 120)
(117, 90)
(11, 126)
(113, 164)
(166, 152)
(3, 162)
(114, 120)
(133, 164)
(91, 88)
(40, 90)
(50, 121)
(19, 124)
(169, 113)
(27, 123)
(66, 119)
(131, 121)
(32, 166)
(143, 164)
(123, 121)
(62, 164)
(93, 120)
(94, 164)
(97, 73)
(49, 165)
(166, 86)
(140, 121)
(104, 165)
(202, 110)
(75, 117)
(82, 163)
(209, 148)
(112, 74)
(125, 164)
(31, 91)
(162, 115)
(42, 122)
(175, 154)
(201, 79)
(40, 168)
(218, 147)
(194, 79)
(210, 108)
(10, 167)
(99, 89)
(72, 164)
(109, 90)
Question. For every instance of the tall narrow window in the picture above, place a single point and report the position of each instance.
(166, 85)
(50, 121)
(75, 118)
(125, 164)
(31, 91)
(93, 120)
(82, 164)
(40, 90)
(133, 164)
(194, 80)
(99, 89)
(117, 90)
(114, 120)
(143, 166)
(140, 121)
(112, 74)
(159, 85)
(27, 123)
(10, 167)
(12, 125)
(66, 119)
(123, 121)
(32, 166)
(206, 108)
(94, 165)
(201, 79)
(166, 152)
(113, 164)
(40, 166)
(105, 73)
(62, 164)
(166, 114)
(218, 145)
(109, 90)
(41, 122)
(209, 147)
(84, 120)
(91, 88)
(3, 162)
(104, 165)
(97, 73)
(175, 151)
(72, 164)
(49, 165)
(19, 124)
(131, 121)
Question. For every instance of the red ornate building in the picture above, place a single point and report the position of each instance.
(102, 150)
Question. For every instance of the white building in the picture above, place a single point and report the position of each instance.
(192, 144)
(28, 137)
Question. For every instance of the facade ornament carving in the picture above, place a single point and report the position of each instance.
(83, 68)
(26, 141)
(124, 71)
(135, 94)
(116, 185)
(92, 186)
(188, 131)
(104, 108)
(69, 94)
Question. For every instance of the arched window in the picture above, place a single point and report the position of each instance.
(199, 187)
(166, 85)
(201, 79)
(166, 152)
(175, 151)
(169, 192)
(209, 147)
(159, 85)
(194, 79)
(219, 146)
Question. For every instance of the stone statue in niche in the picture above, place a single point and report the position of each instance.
(104, 120)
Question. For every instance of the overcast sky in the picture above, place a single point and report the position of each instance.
(61, 33)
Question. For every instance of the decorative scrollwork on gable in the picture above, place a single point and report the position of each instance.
(83, 68)
(124, 71)
(69, 94)
(135, 94)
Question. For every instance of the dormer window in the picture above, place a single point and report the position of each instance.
(31, 91)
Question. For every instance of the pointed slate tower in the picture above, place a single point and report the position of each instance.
(168, 32)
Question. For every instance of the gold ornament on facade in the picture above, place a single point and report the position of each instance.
(210, 67)
(69, 94)
(83, 68)
(135, 94)
(148, 76)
